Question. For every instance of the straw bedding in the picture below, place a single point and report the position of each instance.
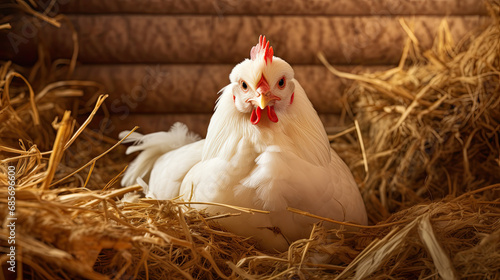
(424, 149)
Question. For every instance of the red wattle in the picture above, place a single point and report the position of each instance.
(255, 117)
(257, 113)
(272, 114)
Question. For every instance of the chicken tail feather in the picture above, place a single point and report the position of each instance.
(152, 146)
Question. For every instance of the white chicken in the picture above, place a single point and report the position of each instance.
(266, 148)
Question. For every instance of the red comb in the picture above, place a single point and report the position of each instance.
(263, 50)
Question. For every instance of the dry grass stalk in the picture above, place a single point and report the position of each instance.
(445, 102)
(63, 133)
(5, 26)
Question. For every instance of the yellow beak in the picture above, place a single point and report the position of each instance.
(262, 101)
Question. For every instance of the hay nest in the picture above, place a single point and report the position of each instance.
(424, 149)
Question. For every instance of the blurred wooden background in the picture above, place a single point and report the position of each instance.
(164, 61)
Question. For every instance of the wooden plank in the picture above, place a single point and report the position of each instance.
(113, 125)
(120, 121)
(227, 40)
(278, 7)
(193, 88)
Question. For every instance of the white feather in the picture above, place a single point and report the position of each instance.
(152, 146)
(170, 169)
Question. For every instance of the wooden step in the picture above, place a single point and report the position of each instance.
(193, 88)
(277, 7)
(364, 40)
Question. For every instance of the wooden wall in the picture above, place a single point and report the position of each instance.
(165, 61)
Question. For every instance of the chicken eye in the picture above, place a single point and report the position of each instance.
(244, 85)
(282, 83)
